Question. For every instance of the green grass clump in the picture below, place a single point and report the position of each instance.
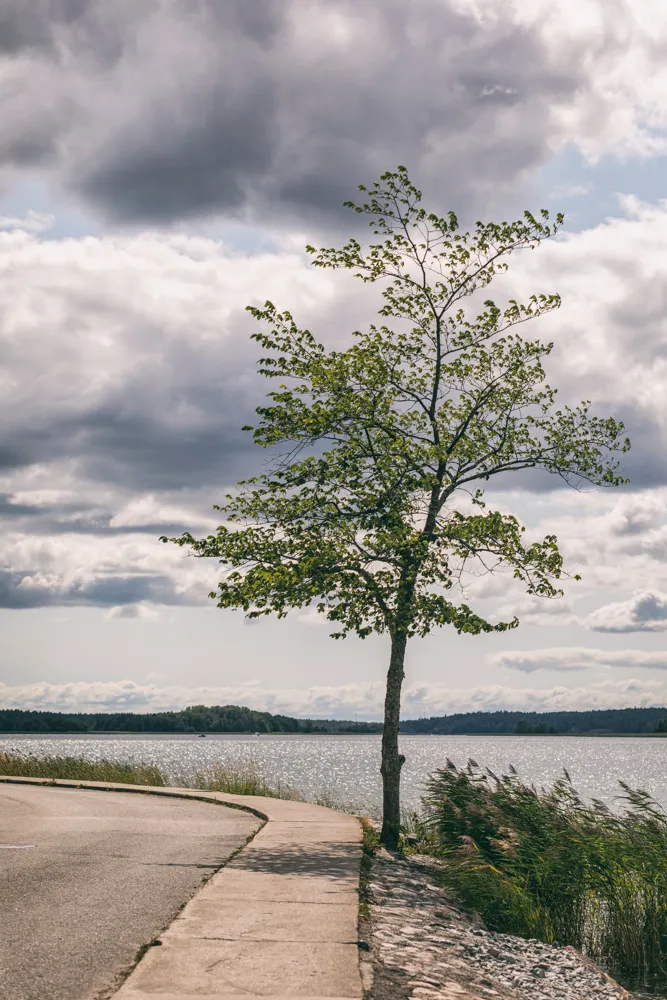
(79, 769)
(241, 779)
(544, 864)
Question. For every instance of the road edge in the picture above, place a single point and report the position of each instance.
(110, 786)
(292, 928)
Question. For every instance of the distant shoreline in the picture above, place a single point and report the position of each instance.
(238, 720)
(148, 735)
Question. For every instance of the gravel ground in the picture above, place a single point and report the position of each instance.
(421, 946)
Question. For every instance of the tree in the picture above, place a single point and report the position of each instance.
(525, 728)
(375, 510)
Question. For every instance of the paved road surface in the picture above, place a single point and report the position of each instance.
(87, 877)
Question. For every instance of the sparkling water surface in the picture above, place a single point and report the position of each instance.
(346, 768)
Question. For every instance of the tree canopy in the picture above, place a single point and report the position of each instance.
(374, 508)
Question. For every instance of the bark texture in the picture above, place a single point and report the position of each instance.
(392, 760)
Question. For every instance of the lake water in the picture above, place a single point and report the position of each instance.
(347, 767)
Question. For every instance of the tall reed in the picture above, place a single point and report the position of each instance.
(545, 864)
(79, 769)
(240, 779)
(244, 778)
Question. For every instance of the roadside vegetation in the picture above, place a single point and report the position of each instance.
(240, 779)
(544, 864)
(79, 769)
(243, 779)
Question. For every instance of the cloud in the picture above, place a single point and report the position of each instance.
(143, 612)
(617, 542)
(104, 571)
(146, 367)
(157, 110)
(608, 335)
(535, 611)
(363, 700)
(32, 222)
(146, 373)
(140, 347)
(568, 658)
(644, 612)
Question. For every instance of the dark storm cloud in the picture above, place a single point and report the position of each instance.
(122, 443)
(78, 519)
(17, 591)
(173, 417)
(263, 110)
(35, 25)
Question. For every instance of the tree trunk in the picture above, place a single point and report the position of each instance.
(392, 761)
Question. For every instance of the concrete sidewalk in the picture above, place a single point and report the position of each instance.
(279, 920)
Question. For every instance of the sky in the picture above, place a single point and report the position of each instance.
(163, 164)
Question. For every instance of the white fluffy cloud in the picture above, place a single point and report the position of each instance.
(140, 347)
(344, 701)
(567, 658)
(644, 612)
(620, 44)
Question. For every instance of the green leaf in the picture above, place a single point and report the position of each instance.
(365, 514)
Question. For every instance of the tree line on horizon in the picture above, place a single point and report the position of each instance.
(563, 723)
(195, 719)
(239, 719)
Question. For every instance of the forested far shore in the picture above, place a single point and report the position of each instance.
(238, 719)
(196, 719)
(621, 721)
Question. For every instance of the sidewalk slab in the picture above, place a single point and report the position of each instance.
(272, 921)
(280, 920)
(256, 968)
(247, 884)
(309, 833)
(224, 996)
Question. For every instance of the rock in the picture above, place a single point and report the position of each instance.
(421, 941)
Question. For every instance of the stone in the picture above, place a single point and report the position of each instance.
(418, 935)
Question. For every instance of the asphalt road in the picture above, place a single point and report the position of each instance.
(87, 877)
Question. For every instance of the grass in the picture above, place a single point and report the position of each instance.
(79, 769)
(240, 779)
(370, 844)
(245, 779)
(544, 864)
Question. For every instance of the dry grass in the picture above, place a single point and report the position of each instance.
(239, 779)
(79, 769)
